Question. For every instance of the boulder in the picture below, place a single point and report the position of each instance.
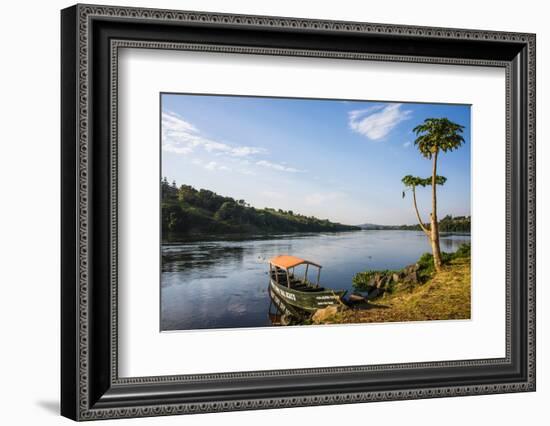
(374, 293)
(386, 281)
(324, 314)
(411, 278)
(376, 280)
(411, 268)
(396, 278)
(356, 298)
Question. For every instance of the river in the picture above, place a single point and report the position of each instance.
(224, 284)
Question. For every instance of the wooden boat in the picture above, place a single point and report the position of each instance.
(281, 313)
(300, 292)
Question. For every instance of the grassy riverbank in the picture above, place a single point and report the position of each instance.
(443, 296)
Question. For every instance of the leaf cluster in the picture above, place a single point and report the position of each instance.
(438, 134)
(414, 181)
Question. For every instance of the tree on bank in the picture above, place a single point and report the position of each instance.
(435, 135)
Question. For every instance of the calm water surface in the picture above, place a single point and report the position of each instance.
(224, 284)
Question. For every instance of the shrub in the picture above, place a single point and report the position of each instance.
(361, 280)
(426, 261)
(463, 251)
(425, 271)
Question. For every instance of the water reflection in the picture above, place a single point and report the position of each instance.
(224, 284)
(177, 258)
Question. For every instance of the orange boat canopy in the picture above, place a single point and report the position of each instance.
(286, 262)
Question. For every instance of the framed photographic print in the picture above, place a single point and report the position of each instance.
(263, 212)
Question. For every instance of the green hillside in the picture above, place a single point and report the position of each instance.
(187, 211)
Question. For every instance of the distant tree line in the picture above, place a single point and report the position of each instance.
(188, 211)
(448, 224)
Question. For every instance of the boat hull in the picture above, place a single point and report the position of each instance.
(307, 301)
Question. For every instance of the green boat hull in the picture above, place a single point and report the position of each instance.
(310, 300)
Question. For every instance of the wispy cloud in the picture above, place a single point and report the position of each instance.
(278, 166)
(181, 137)
(211, 165)
(173, 122)
(245, 151)
(407, 144)
(378, 121)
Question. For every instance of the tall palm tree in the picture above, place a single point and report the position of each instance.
(435, 135)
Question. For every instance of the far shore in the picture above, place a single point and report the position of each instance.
(177, 239)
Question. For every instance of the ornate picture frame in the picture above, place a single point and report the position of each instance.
(91, 37)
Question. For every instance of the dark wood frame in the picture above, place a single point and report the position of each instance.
(90, 386)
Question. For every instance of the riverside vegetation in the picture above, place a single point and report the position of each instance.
(448, 224)
(414, 293)
(188, 212)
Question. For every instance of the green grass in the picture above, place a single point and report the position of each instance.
(441, 296)
(426, 261)
(445, 296)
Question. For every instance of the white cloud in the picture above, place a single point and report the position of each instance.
(181, 137)
(178, 135)
(172, 121)
(213, 165)
(210, 165)
(245, 151)
(407, 144)
(378, 121)
(277, 166)
(318, 198)
(169, 147)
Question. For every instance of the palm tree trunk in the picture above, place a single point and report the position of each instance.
(426, 230)
(434, 226)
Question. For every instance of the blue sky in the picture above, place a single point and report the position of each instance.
(341, 160)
